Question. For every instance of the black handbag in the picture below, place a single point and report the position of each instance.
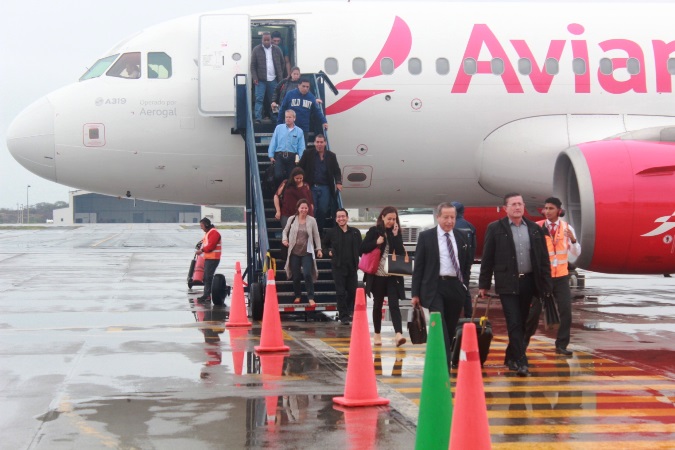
(417, 327)
(399, 266)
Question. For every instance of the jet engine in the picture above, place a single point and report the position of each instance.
(619, 194)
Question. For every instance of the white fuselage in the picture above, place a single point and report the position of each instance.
(421, 138)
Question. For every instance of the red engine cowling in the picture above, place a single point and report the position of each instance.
(619, 196)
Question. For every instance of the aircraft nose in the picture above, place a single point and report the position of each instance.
(30, 139)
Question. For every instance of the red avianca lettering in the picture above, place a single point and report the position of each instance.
(482, 37)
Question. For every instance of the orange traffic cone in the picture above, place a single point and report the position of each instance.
(361, 386)
(470, 427)
(238, 316)
(238, 346)
(271, 338)
(271, 366)
(361, 425)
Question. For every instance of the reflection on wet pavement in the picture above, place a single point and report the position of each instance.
(101, 348)
(573, 402)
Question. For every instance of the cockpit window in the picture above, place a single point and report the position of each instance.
(159, 65)
(128, 66)
(99, 67)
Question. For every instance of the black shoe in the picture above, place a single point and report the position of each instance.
(563, 351)
(523, 370)
(346, 321)
(204, 298)
(512, 365)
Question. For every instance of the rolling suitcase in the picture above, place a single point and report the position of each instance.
(196, 273)
(483, 332)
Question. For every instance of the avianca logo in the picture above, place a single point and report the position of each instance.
(667, 224)
(482, 39)
(397, 47)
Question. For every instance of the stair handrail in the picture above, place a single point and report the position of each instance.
(255, 194)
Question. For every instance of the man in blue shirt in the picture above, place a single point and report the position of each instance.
(288, 141)
(304, 104)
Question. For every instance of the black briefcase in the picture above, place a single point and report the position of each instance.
(417, 327)
(483, 333)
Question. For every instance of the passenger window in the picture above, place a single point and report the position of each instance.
(99, 67)
(524, 66)
(606, 66)
(359, 66)
(552, 66)
(128, 66)
(415, 66)
(159, 65)
(633, 66)
(387, 66)
(470, 66)
(442, 66)
(579, 66)
(671, 66)
(497, 66)
(331, 66)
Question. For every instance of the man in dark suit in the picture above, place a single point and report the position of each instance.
(440, 279)
(515, 252)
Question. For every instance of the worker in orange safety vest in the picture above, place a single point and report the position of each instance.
(561, 242)
(211, 249)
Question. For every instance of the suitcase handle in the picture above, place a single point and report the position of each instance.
(483, 319)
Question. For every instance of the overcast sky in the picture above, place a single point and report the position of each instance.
(45, 45)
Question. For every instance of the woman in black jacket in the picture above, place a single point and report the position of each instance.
(387, 236)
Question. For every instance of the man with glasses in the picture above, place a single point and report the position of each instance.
(343, 243)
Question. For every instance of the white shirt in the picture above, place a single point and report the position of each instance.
(447, 268)
(269, 63)
(574, 249)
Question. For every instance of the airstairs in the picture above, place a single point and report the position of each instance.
(263, 230)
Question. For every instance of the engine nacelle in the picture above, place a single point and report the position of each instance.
(619, 196)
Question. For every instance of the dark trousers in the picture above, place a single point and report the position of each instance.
(516, 308)
(321, 199)
(301, 267)
(346, 281)
(283, 166)
(563, 298)
(210, 266)
(383, 287)
(449, 301)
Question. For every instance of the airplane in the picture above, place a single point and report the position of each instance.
(436, 101)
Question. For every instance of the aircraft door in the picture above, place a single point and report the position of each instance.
(224, 50)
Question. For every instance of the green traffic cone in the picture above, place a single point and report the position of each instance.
(435, 413)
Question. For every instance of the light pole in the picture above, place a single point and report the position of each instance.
(27, 206)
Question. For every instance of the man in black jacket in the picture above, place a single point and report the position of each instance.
(343, 243)
(440, 281)
(322, 173)
(515, 252)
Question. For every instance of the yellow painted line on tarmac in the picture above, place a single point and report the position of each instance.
(605, 428)
(590, 399)
(561, 388)
(577, 445)
(105, 240)
(581, 378)
(570, 413)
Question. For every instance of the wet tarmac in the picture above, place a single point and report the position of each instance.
(103, 346)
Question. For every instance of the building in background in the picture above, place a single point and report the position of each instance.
(87, 207)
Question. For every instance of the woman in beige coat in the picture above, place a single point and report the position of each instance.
(301, 236)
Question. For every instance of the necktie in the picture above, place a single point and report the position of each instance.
(551, 229)
(453, 258)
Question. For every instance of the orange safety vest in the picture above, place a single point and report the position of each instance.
(215, 253)
(558, 248)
